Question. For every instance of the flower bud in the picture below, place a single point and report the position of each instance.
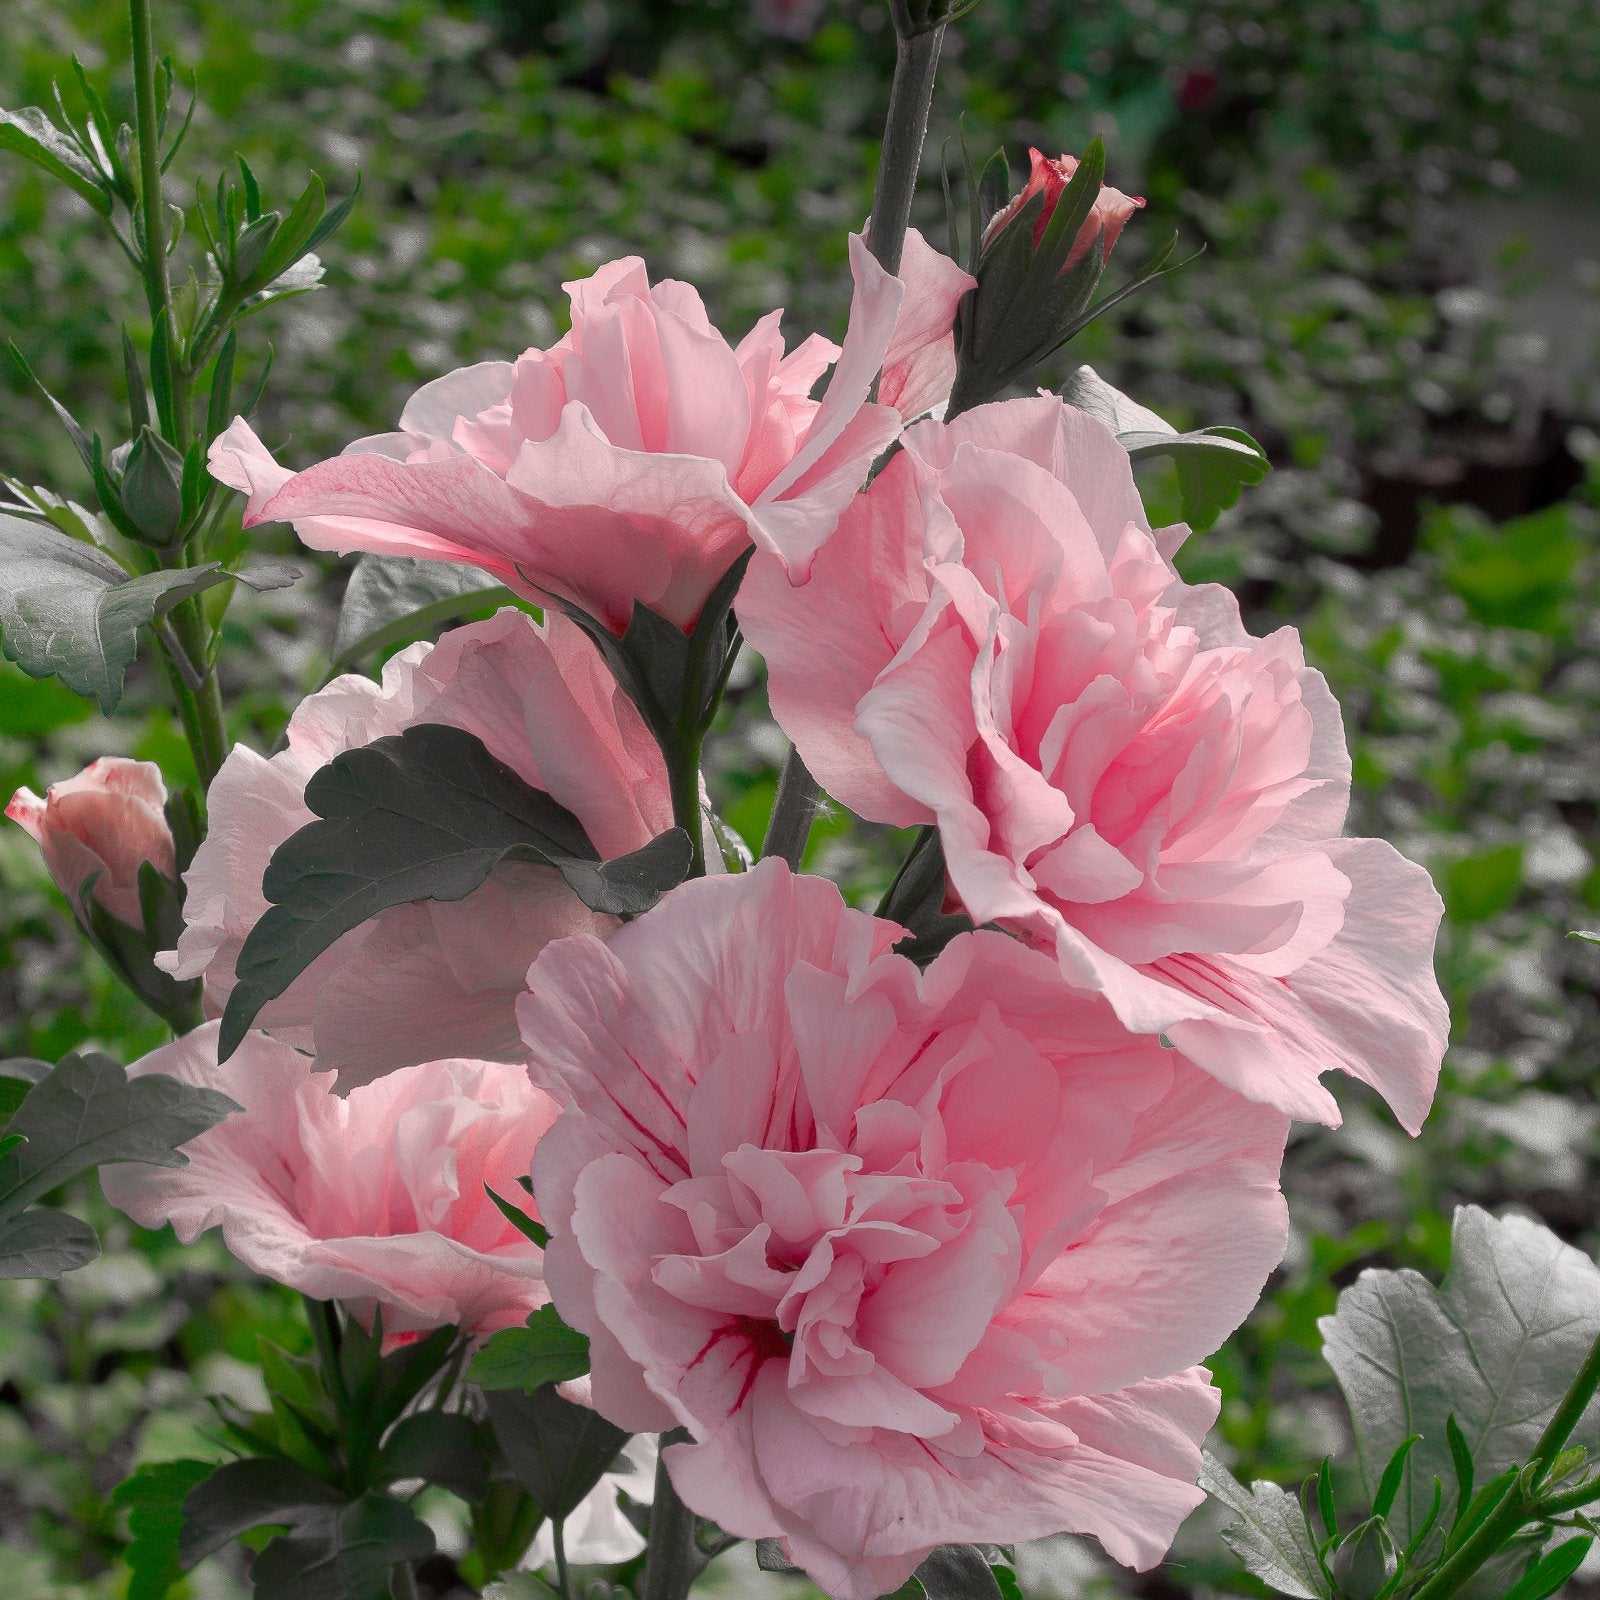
(1365, 1561)
(1048, 177)
(106, 823)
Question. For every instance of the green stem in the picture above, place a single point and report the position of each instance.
(1501, 1525)
(904, 133)
(405, 1583)
(200, 710)
(558, 1537)
(1567, 1415)
(674, 1560)
(158, 288)
(683, 775)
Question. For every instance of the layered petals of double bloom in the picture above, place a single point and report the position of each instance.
(435, 979)
(994, 641)
(376, 1199)
(915, 1257)
(637, 458)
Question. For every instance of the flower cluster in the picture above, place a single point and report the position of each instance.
(914, 1254)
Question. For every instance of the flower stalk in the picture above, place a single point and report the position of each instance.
(675, 1559)
(905, 131)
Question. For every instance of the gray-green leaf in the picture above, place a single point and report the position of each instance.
(392, 599)
(69, 610)
(426, 814)
(1270, 1537)
(87, 1111)
(1496, 1344)
(44, 1243)
(1214, 464)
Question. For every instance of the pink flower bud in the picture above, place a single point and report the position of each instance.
(1112, 207)
(108, 820)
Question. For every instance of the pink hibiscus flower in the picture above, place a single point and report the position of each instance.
(995, 641)
(915, 1258)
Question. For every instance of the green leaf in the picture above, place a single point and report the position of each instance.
(36, 138)
(254, 1493)
(1551, 1571)
(350, 1554)
(426, 814)
(1518, 575)
(442, 1447)
(154, 1497)
(12, 1093)
(292, 238)
(545, 1351)
(519, 1219)
(69, 610)
(558, 1450)
(392, 599)
(1271, 1537)
(44, 1243)
(1496, 1344)
(957, 1572)
(87, 1111)
(1214, 464)
(1389, 1484)
(1479, 887)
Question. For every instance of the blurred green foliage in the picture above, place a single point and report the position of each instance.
(1430, 525)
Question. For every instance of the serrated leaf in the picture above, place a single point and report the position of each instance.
(426, 814)
(34, 137)
(254, 1493)
(392, 599)
(1214, 464)
(442, 1447)
(1270, 1537)
(44, 1243)
(154, 1497)
(1496, 1344)
(543, 1351)
(68, 610)
(347, 1555)
(87, 1111)
(558, 1451)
